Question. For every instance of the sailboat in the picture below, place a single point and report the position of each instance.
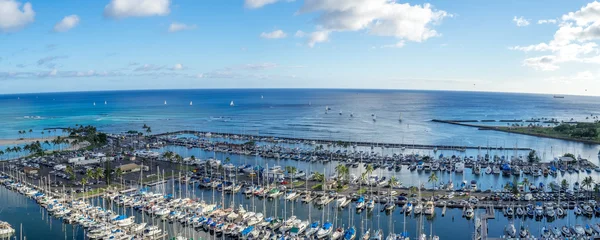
(104, 102)
(261, 97)
(231, 103)
(400, 118)
(374, 118)
(94, 103)
(191, 103)
(165, 102)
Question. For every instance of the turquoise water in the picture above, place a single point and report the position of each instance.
(301, 113)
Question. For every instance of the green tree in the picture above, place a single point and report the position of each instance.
(342, 172)
(319, 177)
(393, 183)
(83, 183)
(99, 173)
(533, 157)
(69, 171)
(90, 174)
(564, 184)
(432, 179)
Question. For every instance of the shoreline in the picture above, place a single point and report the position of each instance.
(19, 141)
(504, 129)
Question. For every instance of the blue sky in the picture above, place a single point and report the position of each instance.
(74, 45)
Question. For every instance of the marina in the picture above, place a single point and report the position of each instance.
(303, 184)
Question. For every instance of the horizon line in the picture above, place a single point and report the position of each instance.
(292, 88)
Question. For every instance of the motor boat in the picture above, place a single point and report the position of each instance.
(429, 208)
(511, 230)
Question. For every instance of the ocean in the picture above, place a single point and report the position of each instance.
(301, 113)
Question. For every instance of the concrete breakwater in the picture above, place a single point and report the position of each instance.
(251, 137)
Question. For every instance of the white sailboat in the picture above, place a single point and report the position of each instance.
(231, 103)
(104, 102)
(165, 102)
(400, 118)
(191, 103)
(261, 96)
(94, 103)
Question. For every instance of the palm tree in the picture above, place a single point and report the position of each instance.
(7, 151)
(90, 174)
(319, 177)
(83, 182)
(291, 171)
(369, 169)
(1, 154)
(412, 189)
(342, 172)
(69, 171)
(433, 179)
(99, 173)
(596, 190)
(119, 174)
(393, 182)
(30, 131)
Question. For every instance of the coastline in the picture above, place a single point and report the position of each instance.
(20, 141)
(514, 130)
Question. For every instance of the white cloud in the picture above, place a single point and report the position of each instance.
(12, 18)
(378, 17)
(520, 21)
(399, 44)
(258, 3)
(118, 9)
(544, 63)
(317, 37)
(300, 34)
(176, 27)
(575, 40)
(277, 34)
(547, 21)
(177, 67)
(587, 14)
(67, 23)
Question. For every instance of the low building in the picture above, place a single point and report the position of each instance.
(129, 168)
(76, 159)
(87, 162)
(30, 170)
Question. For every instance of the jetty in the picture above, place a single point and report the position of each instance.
(313, 141)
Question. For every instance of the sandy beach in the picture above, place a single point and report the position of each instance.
(4, 142)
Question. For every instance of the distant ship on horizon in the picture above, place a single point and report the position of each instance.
(558, 96)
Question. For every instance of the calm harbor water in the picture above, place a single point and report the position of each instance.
(18, 209)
